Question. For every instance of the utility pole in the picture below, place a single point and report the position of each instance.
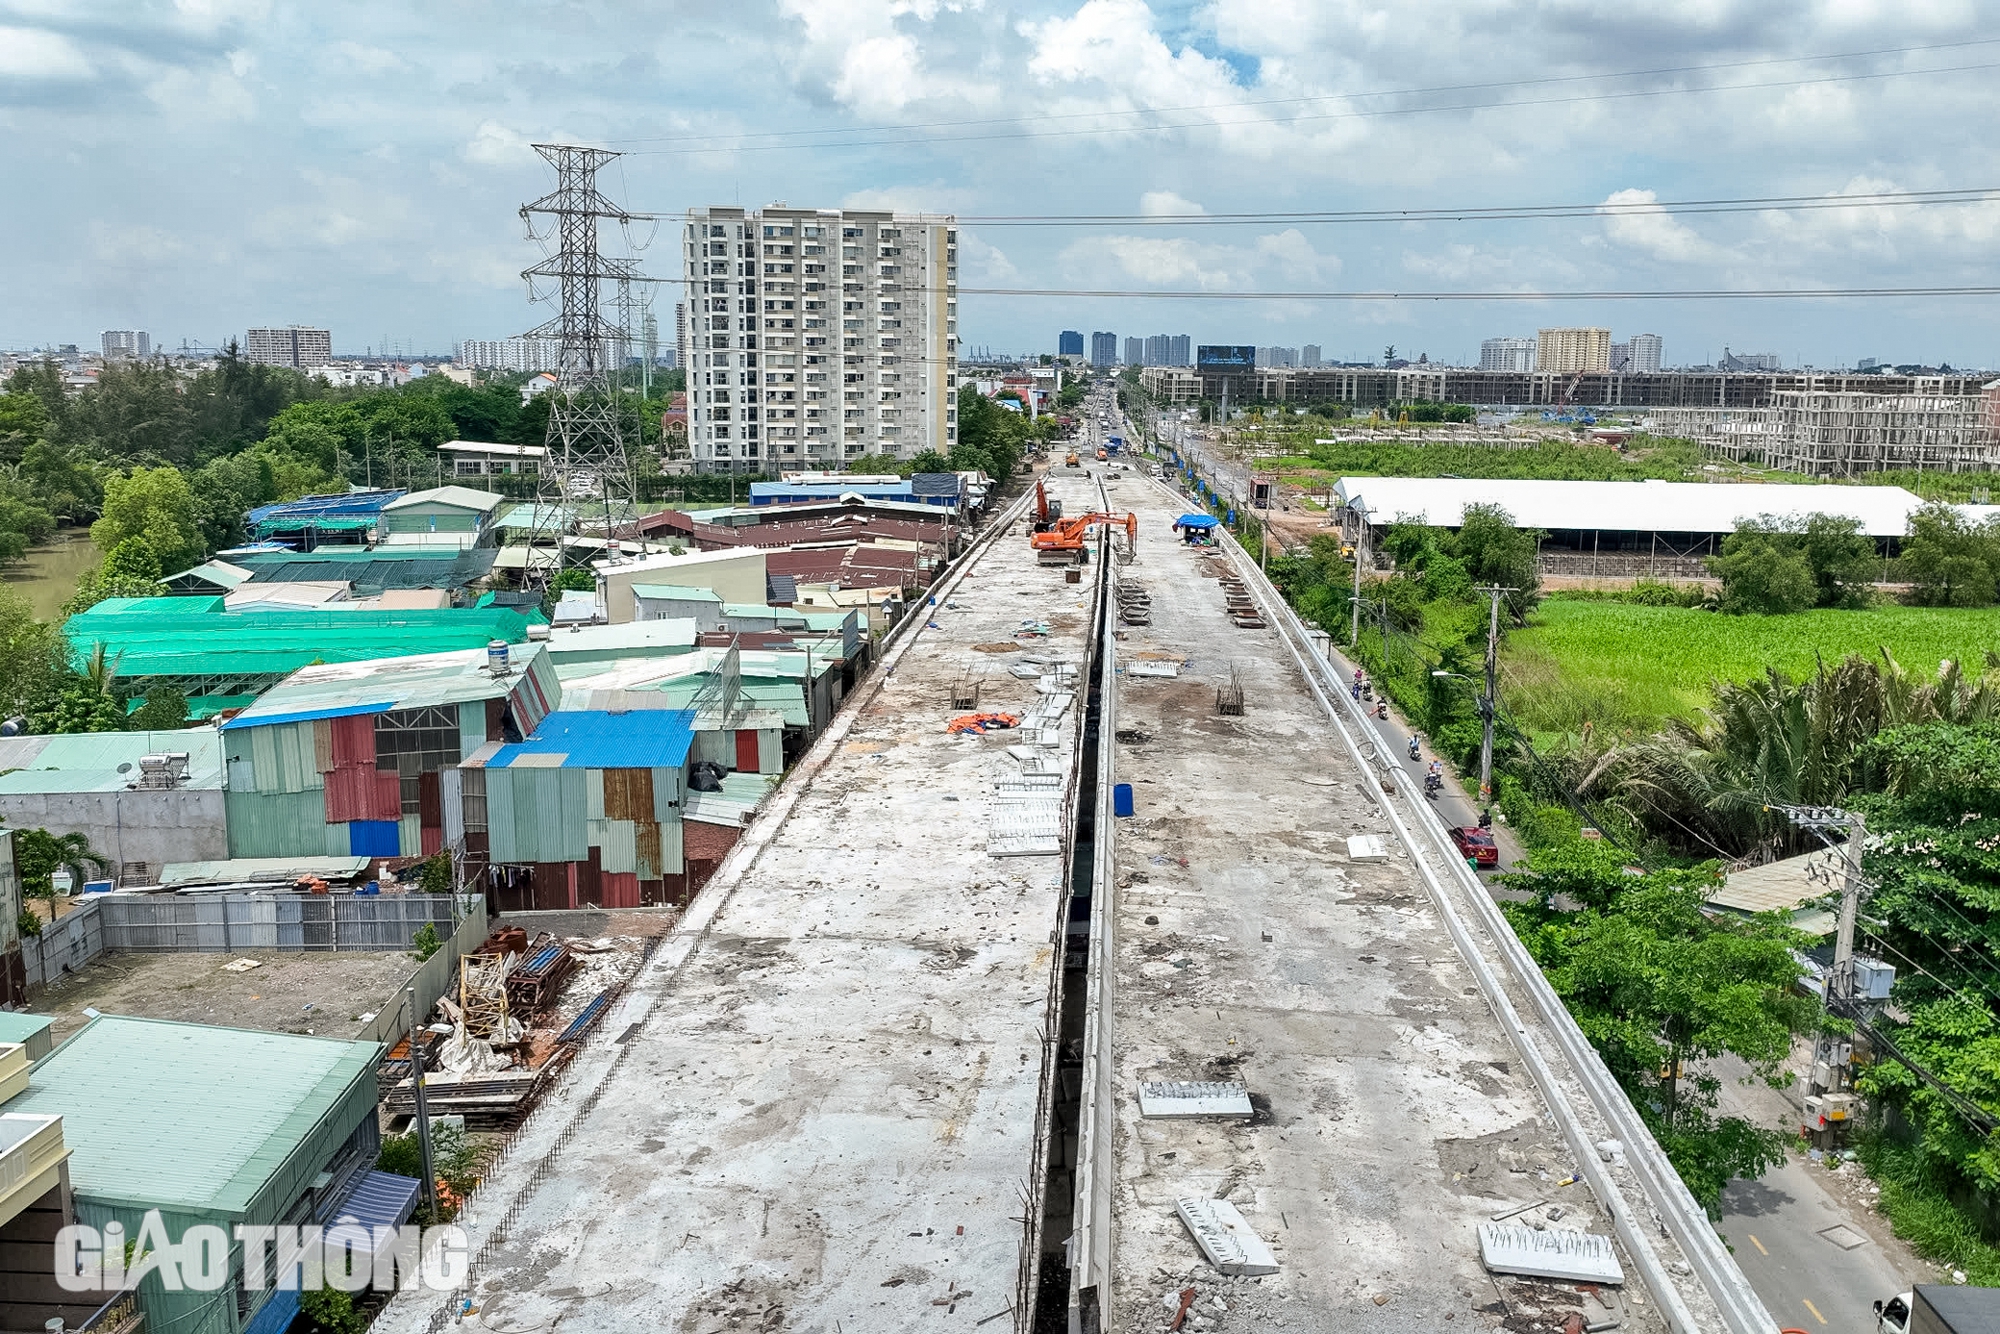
(1490, 705)
(1360, 537)
(1829, 1101)
(423, 1111)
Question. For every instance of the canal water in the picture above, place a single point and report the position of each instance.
(48, 575)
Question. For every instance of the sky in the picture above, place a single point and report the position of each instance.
(197, 167)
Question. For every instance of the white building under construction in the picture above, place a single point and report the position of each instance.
(1828, 433)
(816, 336)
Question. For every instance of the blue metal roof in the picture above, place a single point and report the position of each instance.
(595, 739)
(350, 504)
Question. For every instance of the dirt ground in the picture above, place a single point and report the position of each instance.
(325, 995)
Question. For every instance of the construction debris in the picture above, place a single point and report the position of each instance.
(1230, 1243)
(1576, 1257)
(1186, 1099)
(978, 723)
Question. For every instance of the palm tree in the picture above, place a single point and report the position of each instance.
(74, 854)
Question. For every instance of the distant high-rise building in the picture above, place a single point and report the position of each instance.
(1309, 356)
(1155, 351)
(1167, 350)
(1564, 351)
(1750, 361)
(819, 335)
(1180, 351)
(1646, 354)
(1135, 351)
(1104, 349)
(1507, 354)
(1277, 356)
(1069, 343)
(1621, 356)
(528, 355)
(127, 343)
(296, 346)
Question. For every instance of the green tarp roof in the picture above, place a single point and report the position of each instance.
(146, 638)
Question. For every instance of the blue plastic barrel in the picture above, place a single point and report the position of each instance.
(1121, 799)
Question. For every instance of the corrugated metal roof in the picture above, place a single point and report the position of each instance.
(781, 588)
(352, 503)
(274, 870)
(184, 1115)
(453, 497)
(592, 739)
(88, 762)
(738, 801)
(343, 689)
(1643, 507)
(936, 484)
(376, 569)
(675, 593)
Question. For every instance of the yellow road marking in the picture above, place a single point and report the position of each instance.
(1814, 1309)
(1758, 1244)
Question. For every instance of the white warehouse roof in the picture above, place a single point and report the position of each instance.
(1643, 507)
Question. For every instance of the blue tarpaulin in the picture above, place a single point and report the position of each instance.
(1195, 521)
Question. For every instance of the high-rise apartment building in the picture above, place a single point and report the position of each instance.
(296, 346)
(1309, 356)
(819, 335)
(127, 344)
(1646, 351)
(1507, 354)
(1180, 350)
(1103, 349)
(1563, 351)
(1165, 350)
(1621, 356)
(527, 355)
(1135, 351)
(1277, 356)
(1069, 343)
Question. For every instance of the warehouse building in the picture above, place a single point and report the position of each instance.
(216, 1126)
(1619, 529)
(143, 799)
(345, 759)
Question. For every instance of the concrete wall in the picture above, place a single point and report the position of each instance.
(736, 576)
(135, 825)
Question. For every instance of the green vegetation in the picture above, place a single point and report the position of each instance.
(425, 942)
(38, 855)
(1624, 667)
(331, 1311)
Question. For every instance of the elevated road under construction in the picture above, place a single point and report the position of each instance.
(933, 1045)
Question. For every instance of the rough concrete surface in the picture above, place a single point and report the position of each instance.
(321, 994)
(821, 1117)
(1393, 1115)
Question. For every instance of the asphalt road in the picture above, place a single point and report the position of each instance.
(1778, 1226)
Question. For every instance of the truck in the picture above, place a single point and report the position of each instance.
(1115, 443)
(1939, 1308)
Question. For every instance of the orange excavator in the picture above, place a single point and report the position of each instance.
(1046, 511)
(1064, 539)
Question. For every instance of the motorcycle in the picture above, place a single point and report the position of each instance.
(1382, 708)
(1432, 785)
(1416, 752)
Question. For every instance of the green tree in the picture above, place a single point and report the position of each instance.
(1948, 560)
(61, 481)
(31, 656)
(23, 423)
(1842, 558)
(38, 855)
(156, 505)
(130, 571)
(1496, 552)
(136, 412)
(1763, 570)
(165, 710)
(1662, 990)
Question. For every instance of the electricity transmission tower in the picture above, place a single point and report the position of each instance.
(587, 460)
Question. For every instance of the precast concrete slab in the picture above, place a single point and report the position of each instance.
(815, 1108)
(1270, 928)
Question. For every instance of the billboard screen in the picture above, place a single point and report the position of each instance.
(1226, 358)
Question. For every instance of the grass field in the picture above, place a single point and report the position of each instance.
(1622, 667)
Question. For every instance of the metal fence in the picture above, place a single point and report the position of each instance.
(224, 923)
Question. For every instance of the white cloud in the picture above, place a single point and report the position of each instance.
(35, 53)
(494, 145)
(1281, 260)
(1167, 204)
(369, 59)
(1641, 224)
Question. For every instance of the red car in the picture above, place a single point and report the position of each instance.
(1476, 845)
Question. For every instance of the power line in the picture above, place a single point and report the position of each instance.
(1500, 213)
(819, 137)
(1681, 294)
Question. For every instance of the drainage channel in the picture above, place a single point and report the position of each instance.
(1054, 1195)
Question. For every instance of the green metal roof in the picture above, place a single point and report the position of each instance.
(185, 1116)
(786, 697)
(147, 638)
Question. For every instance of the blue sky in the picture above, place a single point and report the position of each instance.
(194, 168)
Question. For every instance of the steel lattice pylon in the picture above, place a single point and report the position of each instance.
(587, 459)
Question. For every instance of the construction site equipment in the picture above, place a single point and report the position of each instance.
(965, 692)
(1229, 698)
(534, 983)
(1065, 537)
(1071, 459)
(1046, 511)
(482, 993)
